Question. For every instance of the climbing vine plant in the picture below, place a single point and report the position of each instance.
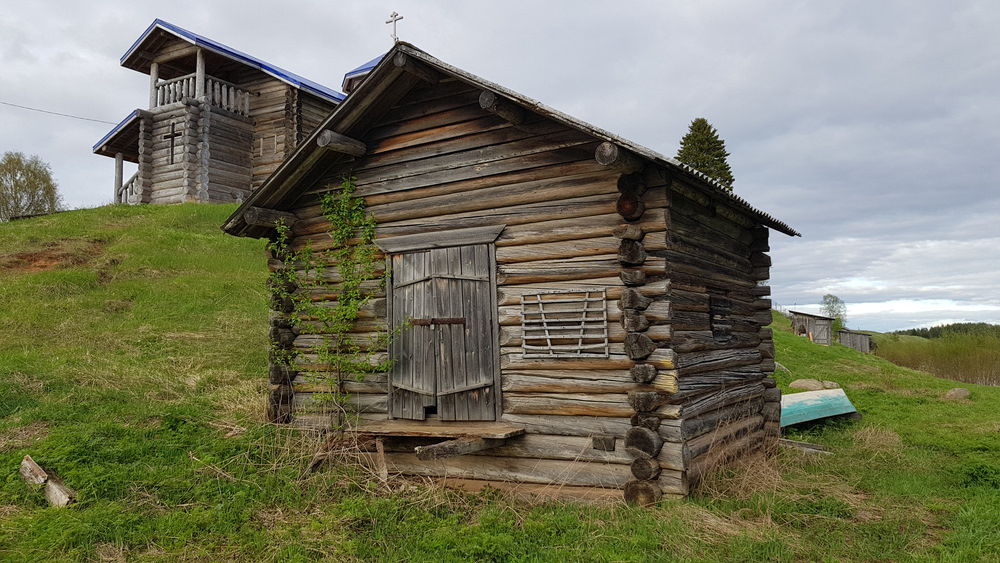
(348, 267)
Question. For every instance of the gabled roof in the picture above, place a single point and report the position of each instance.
(386, 84)
(135, 58)
(812, 316)
(363, 69)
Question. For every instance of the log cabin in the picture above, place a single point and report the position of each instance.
(218, 122)
(575, 314)
(817, 328)
(860, 341)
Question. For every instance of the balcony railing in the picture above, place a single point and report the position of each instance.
(219, 93)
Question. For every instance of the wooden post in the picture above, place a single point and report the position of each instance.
(119, 177)
(199, 76)
(154, 77)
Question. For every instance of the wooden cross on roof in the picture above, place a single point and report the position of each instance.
(393, 18)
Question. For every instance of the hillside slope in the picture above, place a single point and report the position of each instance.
(132, 361)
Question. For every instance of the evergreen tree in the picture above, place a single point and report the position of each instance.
(703, 150)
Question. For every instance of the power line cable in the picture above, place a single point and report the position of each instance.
(57, 113)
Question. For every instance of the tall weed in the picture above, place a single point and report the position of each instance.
(970, 358)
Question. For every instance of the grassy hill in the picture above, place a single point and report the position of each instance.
(132, 362)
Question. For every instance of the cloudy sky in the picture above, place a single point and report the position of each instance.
(870, 127)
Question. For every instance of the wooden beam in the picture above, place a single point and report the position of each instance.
(261, 217)
(502, 107)
(333, 141)
(407, 64)
(613, 156)
(459, 446)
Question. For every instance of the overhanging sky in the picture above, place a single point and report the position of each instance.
(870, 127)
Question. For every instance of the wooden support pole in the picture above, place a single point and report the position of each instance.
(333, 141)
(407, 64)
(459, 446)
(154, 77)
(119, 177)
(199, 75)
(502, 107)
(613, 156)
(262, 217)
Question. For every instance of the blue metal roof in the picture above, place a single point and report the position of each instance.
(363, 69)
(204, 42)
(116, 129)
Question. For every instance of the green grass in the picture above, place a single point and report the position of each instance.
(132, 362)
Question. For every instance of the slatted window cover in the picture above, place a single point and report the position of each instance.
(565, 324)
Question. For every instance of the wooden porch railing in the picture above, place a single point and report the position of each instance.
(127, 191)
(219, 93)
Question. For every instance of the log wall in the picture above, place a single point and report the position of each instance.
(670, 392)
(220, 156)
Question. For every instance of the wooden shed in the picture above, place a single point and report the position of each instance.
(860, 341)
(817, 328)
(578, 314)
(218, 122)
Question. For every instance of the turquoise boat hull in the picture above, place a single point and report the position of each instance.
(814, 405)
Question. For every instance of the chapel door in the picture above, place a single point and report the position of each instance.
(444, 343)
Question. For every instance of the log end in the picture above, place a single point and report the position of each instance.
(642, 493)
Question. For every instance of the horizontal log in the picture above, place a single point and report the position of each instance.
(460, 446)
(577, 404)
(632, 184)
(693, 427)
(544, 471)
(642, 493)
(631, 253)
(723, 434)
(501, 106)
(645, 469)
(643, 443)
(716, 457)
(630, 206)
(709, 360)
(534, 493)
(567, 381)
(513, 358)
(577, 228)
(620, 159)
(336, 142)
(511, 294)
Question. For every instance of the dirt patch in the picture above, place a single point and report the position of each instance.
(62, 253)
(23, 436)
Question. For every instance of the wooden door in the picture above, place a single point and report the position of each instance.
(445, 345)
(822, 334)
